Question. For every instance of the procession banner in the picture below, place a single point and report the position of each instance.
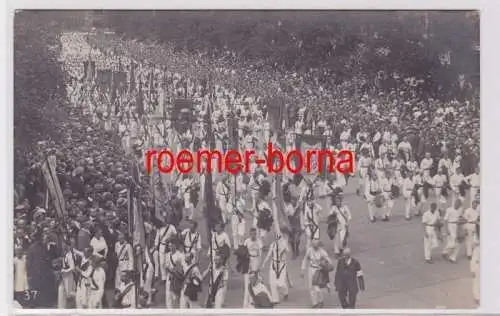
(307, 143)
(50, 176)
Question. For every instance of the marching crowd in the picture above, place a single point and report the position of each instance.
(425, 151)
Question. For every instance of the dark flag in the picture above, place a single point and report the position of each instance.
(312, 142)
(211, 211)
(140, 101)
(86, 68)
(132, 77)
(114, 99)
(133, 193)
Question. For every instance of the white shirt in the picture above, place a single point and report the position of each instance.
(289, 209)
(412, 166)
(439, 180)
(219, 240)
(312, 214)
(99, 245)
(129, 298)
(68, 262)
(365, 162)
(345, 135)
(430, 219)
(456, 180)
(386, 184)
(408, 185)
(452, 215)
(471, 215)
(191, 240)
(255, 251)
(164, 234)
(405, 147)
(426, 163)
(173, 259)
(372, 186)
(474, 180)
(313, 258)
(444, 163)
(343, 214)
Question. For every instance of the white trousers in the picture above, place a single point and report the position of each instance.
(388, 203)
(246, 295)
(339, 238)
(408, 203)
(476, 286)
(315, 291)
(470, 238)
(430, 243)
(65, 289)
(81, 298)
(238, 230)
(278, 285)
(220, 297)
(473, 193)
(371, 205)
(95, 298)
(452, 247)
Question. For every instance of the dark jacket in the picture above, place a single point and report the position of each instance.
(349, 276)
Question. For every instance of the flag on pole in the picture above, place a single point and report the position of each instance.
(140, 101)
(131, 79)
(136, 222)
(52, 181)
(212, 213)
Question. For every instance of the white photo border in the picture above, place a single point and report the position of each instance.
(490, 132)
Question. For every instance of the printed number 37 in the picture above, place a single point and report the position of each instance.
(30, 295)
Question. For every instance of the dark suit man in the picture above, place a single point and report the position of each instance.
(348, 279)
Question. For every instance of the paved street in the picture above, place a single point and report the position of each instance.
(391, 255)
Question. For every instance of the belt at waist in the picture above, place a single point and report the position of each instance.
(253, 256)
(314, 267)
(389, 191)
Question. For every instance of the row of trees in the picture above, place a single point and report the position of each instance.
(38, 80)
(344, 42)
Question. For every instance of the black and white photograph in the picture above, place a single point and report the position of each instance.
(246, 159)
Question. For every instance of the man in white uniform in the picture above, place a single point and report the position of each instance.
(475, 182)
(312, 262)
(254, 246)
(312, 211)
(162, 238)
(451, 218)
(430, 220)
(471, 215)
(344, 217)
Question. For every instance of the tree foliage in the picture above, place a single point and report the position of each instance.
(38, 80)
(346, 42)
